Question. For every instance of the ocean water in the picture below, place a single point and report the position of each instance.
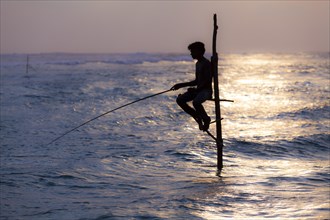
(149, 160)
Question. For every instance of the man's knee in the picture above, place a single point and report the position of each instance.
(179, 100)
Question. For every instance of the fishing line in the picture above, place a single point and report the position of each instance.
(112, 110)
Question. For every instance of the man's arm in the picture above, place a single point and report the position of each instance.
(185, 84)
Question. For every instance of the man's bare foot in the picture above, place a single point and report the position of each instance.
(200, 123)
(206, 124)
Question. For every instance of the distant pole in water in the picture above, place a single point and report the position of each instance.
(27, 64)
(214, 60)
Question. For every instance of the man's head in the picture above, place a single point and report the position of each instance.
(197, 49)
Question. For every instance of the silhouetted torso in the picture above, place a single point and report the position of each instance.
(203, 74)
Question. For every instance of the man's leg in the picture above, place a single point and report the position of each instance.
(197, 103)
(182, 102)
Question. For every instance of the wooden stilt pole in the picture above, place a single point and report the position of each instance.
(217, 96)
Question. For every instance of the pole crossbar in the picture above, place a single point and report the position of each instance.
(211, 135)
(221, 100)
(212, 122)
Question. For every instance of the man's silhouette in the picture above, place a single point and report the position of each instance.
(201, 90)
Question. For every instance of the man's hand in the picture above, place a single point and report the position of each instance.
(176, 86)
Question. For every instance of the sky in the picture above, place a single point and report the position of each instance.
(162, 26)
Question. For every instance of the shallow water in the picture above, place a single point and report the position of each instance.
(149, 160)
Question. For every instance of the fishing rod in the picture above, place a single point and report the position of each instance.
(105, 113)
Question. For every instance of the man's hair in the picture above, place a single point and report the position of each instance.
(197, 46)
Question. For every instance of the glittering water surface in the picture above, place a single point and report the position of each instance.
(149, 160)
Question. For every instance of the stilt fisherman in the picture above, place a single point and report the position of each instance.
(200, 89)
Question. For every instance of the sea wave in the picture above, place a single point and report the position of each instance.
(313, 146)
(317, 113)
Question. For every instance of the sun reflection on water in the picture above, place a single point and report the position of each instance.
(275, 99)
(266, 97)
(266, 189)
